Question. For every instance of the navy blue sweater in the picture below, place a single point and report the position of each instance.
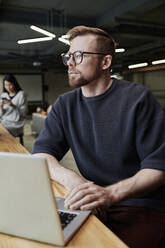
(112, 136)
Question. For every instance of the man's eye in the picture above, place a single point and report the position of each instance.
(67, 56)
(77, 56)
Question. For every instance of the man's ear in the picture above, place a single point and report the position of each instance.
(106, 62)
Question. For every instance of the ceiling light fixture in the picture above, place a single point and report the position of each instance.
(34, 40)
(137, 65)
(42, 31)
(156, 62)
(119, 50)
(37, 63)
(49, 36)
(64, 39)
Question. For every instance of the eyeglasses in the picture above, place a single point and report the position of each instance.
(77, 56)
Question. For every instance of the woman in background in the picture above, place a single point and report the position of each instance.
(12, 106)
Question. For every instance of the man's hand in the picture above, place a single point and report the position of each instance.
(73, 181)
(88, 196)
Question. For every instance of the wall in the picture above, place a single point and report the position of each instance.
(57, 84)
(20, 72)
(28, 82)
(154, 80)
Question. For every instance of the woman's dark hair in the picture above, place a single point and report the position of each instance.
(10, 78)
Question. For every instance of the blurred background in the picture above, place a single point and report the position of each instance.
(137, 26)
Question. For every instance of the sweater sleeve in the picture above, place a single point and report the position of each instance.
(2, 110)
(52, 138)
(20, 104)
(15, 113)
(150, 133)
(1, 113)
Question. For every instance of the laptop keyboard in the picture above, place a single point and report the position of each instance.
(66, 218)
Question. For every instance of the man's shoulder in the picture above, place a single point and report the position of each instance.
(128, 85)
(66, 99)
(132, 88)
(69, 96)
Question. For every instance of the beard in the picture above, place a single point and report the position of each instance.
(76, 82)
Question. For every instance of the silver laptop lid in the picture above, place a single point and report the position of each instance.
(28, 207)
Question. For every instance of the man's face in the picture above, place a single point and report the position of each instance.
(89, 69)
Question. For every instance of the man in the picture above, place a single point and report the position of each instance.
(116, 131)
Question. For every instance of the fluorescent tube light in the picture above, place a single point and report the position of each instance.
(158, 62)
(65, 36)
(119, 50)
(137, 65)
(64, 40)
(42, 31)
(34, 40)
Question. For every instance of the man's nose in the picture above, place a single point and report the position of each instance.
(71, 61)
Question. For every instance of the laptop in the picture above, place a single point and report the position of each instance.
(28, 208)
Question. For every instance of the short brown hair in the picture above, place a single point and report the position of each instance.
(105, 43)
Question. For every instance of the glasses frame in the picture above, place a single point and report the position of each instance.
(65, 59)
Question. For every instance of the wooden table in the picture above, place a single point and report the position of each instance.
(92, 234)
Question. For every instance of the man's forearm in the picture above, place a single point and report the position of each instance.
(90, 196)
(140, 184)
(58, 173)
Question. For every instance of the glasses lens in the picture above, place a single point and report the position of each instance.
(78, 56)
(65, 58)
